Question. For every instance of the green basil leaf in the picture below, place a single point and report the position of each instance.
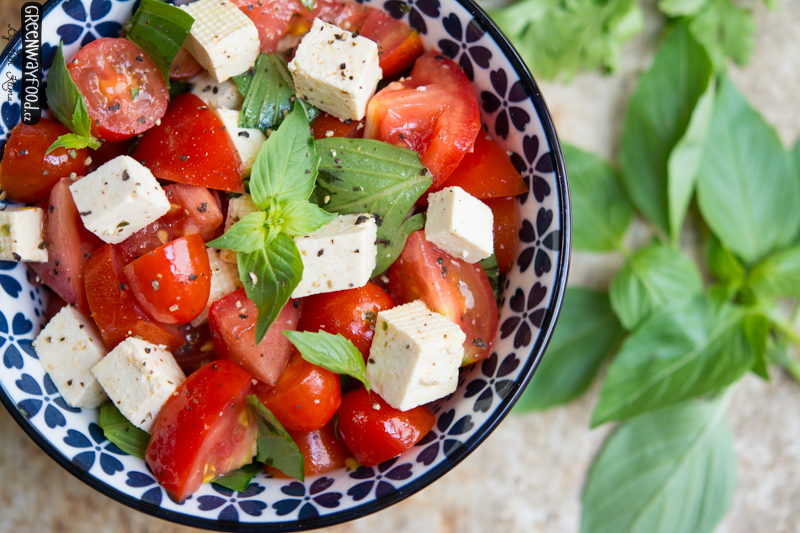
(64, 98)
(159, 29)
(389, 250)
(600, 210)
(756, 328)
(121, 432)
(586, 334)
(681, 352)
(72, 140)
(796, 156)
(275, 446)
(654, 277)
(492, 271)
(777, 275)
(679, 76)
(724, 29)
(239, 480)
(286, 166)
(331, 352)
(748, 191)
(276, 271)
(247, 235)
(664, 472)
(302, 217)
(309, 4)
(176, 88)
(681, 8)
(724, 266)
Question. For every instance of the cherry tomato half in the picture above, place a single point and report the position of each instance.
(321, 449)
(184, 66)
(398, 44)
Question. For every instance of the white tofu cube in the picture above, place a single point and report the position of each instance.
(118, 199)
(223, 40)
(247, 141)
(22, 234)
(340, 255)
(238, 208)
(68, 347)
(225, 94)
(415, 356)
(139, 377)
(335, 71)
(460, 224)
(224, 280)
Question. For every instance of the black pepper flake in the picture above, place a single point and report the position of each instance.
(440, 58)
(444, 272)
(343, 66)
(439, 261)
(23, 152)
(378, 220)
(361, 219)
(17, 257)
(123, 224)
(50, 208)
(244, 134)
(321, 251)
(479, 343)
(125, 175)
(147, 350)
(403, 137)
(69, 383)
(243, 316)
(114, 107)
(371, 361)
(203, 207)
(81, 326)
(192, 277)
(87, 256)
(356, 34)
(44, 245)
(55, 270)
(139, 59)
(122, 286)
(297, 304)
(141, 120)
(184, 157)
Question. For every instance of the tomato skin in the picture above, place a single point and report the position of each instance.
(191, 146)
(27, 175)
(321, 449)
(399, 45)
(207, 423)
(106, 84)
(69, 245)
(375, 435)
(172, 283)
(418, 273)
(233, 327)
(109, 151)
(326, 10)
(440, 123)
(197, 350)
(114, 308)
(325, 123)
(271, 17)
(345, 312)
(184, 66)
(305, 397)
(505, 224)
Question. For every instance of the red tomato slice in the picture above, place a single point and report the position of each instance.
(505, 224)
(27, 175)
(197, 350)
(302, 19)
(440, 122)
(351, 313)
(184, 66)
(233, 327)
(124, 91)
(205, 430)
(375, 431)
(271, 17)
(321, 449)
(351, 17)
(398, 44)
(325, 123)
(172, 283)
(458, 290)
(69, 245)
(191, 146)
(114, 308)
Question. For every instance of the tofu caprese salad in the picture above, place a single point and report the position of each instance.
(271, 231)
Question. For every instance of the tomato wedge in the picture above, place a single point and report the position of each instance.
(124, 92)
(271, 18)
(321, 449)
(326, 125)
(505, 224)
(399, 45)
(184, 66)
(205, 430)
(191, 146)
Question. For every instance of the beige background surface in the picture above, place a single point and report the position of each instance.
(528, 475)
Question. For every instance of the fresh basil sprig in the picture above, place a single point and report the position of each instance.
(239, 480)
(331, 352)
(275, 446)
(121, 432)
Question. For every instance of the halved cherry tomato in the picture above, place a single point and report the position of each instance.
(205, 430)
(191, 146)
(197, 350)
(305, 397)
(351, 313)
(124, 92)
(325, 123)
(440, 121)
(505, 224)
(114, 308)
(399, 45)
(68, 245)
(27, 175)
(184, 66)
(458, 290)
(375, 431)
(321, 449)
(271, 17)
(233, 328)
(172, 283)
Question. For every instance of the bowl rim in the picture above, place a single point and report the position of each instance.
(540, 346)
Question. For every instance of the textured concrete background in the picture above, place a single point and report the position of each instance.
(528, 475)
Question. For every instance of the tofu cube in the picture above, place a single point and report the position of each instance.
(225, 94)
(415, 356)
(238, 208)
(460, 224)
(335, 71)
(22, 234)
(247, 141)
(118, 199)
(340, 255)
(223, 40)
(139, 377)
(224, 280)
(68, 347)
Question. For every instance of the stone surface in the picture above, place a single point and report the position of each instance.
(529, 474)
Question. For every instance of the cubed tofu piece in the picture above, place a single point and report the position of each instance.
(415, 356)
(68, 347)
(139, 377)
(335, 71)
(22, 234)
(460, 224)
(223, 40)
(225, 94)
(340, 255)
(224, 280)
(118, 199)
(247, 141)
(238, 208)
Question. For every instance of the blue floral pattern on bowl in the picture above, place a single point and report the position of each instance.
(512, 112)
